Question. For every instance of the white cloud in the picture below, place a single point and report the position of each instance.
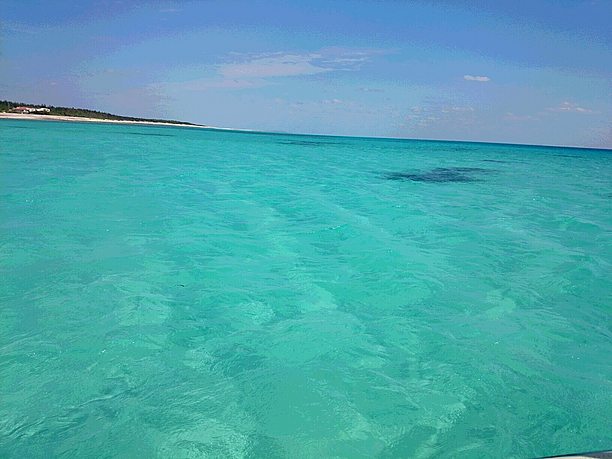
(295, 64)
(246, 71)
(569, 107)
(481, 79)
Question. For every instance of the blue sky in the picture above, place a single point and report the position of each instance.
(506, 71)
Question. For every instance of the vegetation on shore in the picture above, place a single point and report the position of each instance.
(7, 106)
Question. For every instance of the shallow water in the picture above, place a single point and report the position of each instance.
(192, 293)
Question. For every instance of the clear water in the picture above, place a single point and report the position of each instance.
(172, 292)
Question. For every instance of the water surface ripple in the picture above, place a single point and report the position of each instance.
(171, 292)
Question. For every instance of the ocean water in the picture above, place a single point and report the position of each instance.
(173, 292)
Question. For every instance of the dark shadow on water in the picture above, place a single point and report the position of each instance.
(147, 135)
(495, 161)
(459, 149)
(442, 175)
(308, 143)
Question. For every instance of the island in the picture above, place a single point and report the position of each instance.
(19, 110)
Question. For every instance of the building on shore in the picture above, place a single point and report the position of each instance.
(26, 110)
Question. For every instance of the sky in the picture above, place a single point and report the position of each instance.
(535, 72)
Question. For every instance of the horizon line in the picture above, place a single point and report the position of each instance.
(487, 142)
(254, 131)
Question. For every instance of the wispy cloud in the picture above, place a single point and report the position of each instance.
(20, 28)
(509, 116)
(332, 101)
(280, 65)
(426, 116)
(601, 136)
(563, 107)
(328, 106)
(295, 64)
(244, 71)
(204, 84)
(456, 109)
(371, 90)
(569, 107)
(478, 78)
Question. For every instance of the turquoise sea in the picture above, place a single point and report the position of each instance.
(183, 293)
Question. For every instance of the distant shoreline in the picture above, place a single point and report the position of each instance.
(83, 119)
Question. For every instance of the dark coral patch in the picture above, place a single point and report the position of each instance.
(308, 143)
(441, 175)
